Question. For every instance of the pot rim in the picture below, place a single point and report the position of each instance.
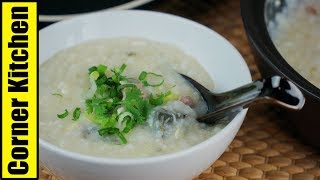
(253, 16)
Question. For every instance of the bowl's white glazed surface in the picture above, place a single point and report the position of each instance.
(220, 59)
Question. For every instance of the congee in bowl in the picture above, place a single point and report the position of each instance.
(123, 98)
(295, 32)
(132, 46)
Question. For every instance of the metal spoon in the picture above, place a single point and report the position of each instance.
(228, 104)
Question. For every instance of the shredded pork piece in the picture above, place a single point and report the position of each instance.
(187, 100)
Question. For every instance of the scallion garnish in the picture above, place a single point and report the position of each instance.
(116, 104)
(76, 114)
(63, 115)
(56, 94)
(159, 99)
(147, 77)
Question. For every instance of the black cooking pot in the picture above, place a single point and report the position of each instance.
(256, 14)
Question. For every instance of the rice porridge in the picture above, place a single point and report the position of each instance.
(296, 33)
(150, 69)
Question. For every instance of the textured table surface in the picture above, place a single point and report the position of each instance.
(264, 148)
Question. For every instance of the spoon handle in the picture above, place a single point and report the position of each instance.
(273, 89)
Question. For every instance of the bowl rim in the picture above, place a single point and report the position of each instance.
(143, 160)
(127, 5)
(253, 16)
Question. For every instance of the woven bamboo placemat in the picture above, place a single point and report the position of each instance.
(264, 148)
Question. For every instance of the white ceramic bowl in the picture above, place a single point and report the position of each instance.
(222, 61)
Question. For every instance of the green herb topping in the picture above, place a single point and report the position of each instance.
(63, 115)
(151, 79)
(76, 114)
(115, 104)
(56, 94)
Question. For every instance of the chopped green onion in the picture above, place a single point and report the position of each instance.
(123, 117)
(130, 123)
(106, 106)
(94, 75)
(93, 68)
(122, 138)
(56, 94)
(144, 76)
(76, 114)
(117, 77)
(159, 99)
(122, 68)
(63, 115)
(93, 87)
(122, 86)
(111, 131)
(170, 97)
(102, 69)
(102, 90)
(108, 131)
